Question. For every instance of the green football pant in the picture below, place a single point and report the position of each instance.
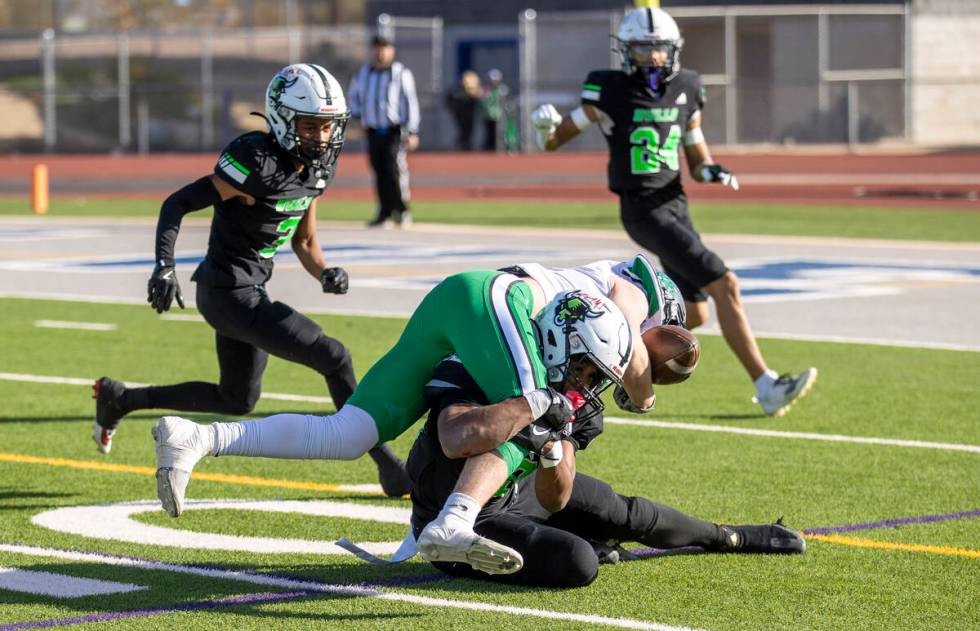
(484, 317)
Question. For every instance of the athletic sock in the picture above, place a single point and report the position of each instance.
(460, 510)
(765, 381)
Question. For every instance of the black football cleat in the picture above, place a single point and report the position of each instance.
(108, 394)
(391, 472)
(611, 553)
(766, 539)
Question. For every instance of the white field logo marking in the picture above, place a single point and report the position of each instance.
(114, 522)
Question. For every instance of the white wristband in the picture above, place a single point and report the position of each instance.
(553, 457)
(693, 137)
(539, 400)
(580, 118)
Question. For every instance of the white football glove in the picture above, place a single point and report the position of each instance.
(622, 399)
(718, 173)
(546, 120)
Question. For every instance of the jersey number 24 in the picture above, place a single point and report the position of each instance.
(647, 153)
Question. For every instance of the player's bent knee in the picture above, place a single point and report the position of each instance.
(240, 403)
(581, 567)
(332, 355)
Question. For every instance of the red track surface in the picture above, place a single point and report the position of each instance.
(933, 179)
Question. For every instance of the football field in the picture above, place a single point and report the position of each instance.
(879, 465)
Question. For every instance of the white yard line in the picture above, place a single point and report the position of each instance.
(340, 590)
(76, 381)
(65, 324)
(837, 438)
(892, 442)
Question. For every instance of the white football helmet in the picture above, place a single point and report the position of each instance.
(648, 27)
(579, 324)
(307, 90)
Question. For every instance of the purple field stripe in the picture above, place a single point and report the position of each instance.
(890, 523)
(142, 613)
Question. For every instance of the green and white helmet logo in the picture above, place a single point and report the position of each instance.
(575, 307)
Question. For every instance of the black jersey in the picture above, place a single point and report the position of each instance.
(244, 238)
(644, 132)
(433, 474)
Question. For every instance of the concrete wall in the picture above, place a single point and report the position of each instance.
(945, 65)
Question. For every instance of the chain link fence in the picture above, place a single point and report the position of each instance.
(773, 74)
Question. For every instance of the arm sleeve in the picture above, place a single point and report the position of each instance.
(408, 103)
(195, 196)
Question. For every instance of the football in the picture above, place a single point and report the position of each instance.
(674, 353)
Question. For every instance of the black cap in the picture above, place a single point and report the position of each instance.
(382, 40)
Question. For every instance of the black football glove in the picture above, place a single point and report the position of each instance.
(554, 424)
(334, 280)
(536, 435)
(584, 432)
(718, 173)
(626, 404)
(162, 288)
(559, 413)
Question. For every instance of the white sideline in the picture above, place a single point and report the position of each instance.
(75, 381)
(699, 427)
(340, 590)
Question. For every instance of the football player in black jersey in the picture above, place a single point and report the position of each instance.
(264, 190)
(647, 111)
(561, 522)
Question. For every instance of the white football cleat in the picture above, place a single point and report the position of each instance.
(102, 437)
(786, 391)
(445, 544)
(180, 444)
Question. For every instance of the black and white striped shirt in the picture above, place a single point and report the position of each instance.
(385, 98)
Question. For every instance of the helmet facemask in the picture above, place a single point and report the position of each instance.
(317, 154)
(580, 336)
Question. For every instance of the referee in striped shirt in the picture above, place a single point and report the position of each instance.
(382, 95)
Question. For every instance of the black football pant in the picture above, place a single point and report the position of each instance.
(659, 220)
(248, 328)
(390, 170)
(556, 547)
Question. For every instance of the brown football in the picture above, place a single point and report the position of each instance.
(674, 353)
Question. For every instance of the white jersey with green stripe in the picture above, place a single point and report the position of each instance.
(597, 277)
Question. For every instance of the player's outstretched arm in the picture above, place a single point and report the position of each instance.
(468, 429)
(554, 130)
(702, 166)
(162, 288)
(306, 245)
(637, 381)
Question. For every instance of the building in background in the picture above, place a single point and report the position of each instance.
(181, 75)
